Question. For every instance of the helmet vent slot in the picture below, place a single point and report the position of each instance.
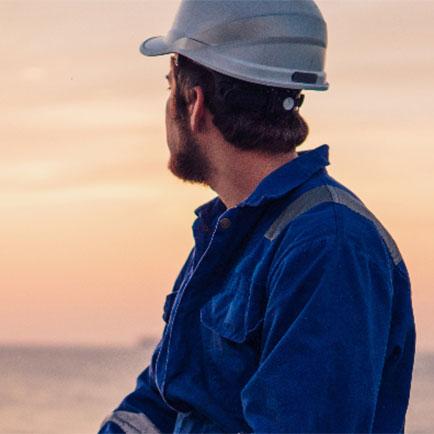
(304, 77)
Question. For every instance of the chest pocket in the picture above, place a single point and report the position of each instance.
(236, 311)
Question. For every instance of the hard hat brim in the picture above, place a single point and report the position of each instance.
(155, 46)
(207, 56)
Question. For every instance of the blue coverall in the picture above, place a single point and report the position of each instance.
(291, 314)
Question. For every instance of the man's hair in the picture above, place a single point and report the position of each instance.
(249, 116)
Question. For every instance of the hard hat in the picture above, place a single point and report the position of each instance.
(280, 43)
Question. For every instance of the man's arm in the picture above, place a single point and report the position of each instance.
(142, 411)
(325, 335)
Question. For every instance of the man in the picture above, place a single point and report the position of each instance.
(293, 310)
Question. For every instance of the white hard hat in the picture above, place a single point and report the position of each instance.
(280, 43)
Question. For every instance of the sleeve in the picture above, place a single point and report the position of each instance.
(142, 411)
(325, 335)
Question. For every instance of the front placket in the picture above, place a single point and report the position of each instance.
(230, 230)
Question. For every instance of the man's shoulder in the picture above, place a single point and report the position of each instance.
(325, 209)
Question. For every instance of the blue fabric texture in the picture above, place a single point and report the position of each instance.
(311, 331)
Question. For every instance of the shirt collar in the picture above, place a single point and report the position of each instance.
(278, 183)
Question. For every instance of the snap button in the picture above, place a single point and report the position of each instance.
(225, 223)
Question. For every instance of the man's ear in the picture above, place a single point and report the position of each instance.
(197, 109)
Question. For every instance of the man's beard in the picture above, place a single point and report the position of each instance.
(189, 163)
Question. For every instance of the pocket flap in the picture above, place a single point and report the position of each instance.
(170, 298)
(234, 312)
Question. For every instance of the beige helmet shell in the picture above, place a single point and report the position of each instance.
(278, 43)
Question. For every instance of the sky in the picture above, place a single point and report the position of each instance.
(94, 228)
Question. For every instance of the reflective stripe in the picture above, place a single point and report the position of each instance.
(131, 423)
(325, 194)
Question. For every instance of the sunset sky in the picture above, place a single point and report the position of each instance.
(94, 228)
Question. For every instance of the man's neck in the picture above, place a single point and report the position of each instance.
(238, 173)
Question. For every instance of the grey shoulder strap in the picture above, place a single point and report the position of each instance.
(324, 194)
